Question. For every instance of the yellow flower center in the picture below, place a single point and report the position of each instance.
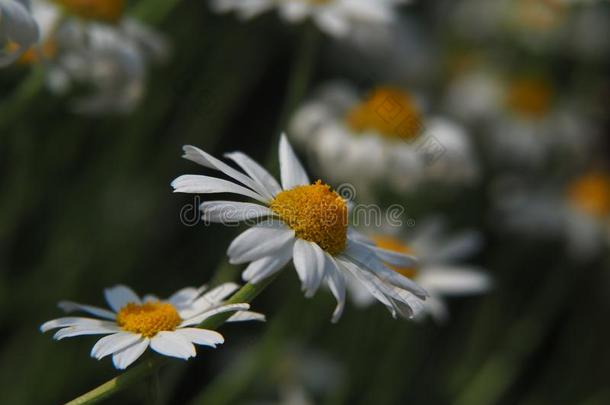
(396, 245)
(101, 10)
(591, 193)
(33, 55)
(529, 97)
(388, 111)
(149, 318)
(316, 213)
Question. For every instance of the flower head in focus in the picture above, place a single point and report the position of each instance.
(133, 324)
(383, 139)
(335, 17)
(18, 30)
(439, 270)
(301, 221)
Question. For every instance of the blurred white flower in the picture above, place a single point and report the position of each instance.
(335, 17)
(522, 119)
(299, 221)
(18, 30)
(438, 271)
(133, 324)
(381, 140)
(577, 213)
(91, 43)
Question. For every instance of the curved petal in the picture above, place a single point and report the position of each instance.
(260, 269)
(185, 296)
(172, 344)
(243, 316)
(336, 284)
(256, 171)
(111, 344)
(203, 337)
(69, 306)
(73, 321)
(225, 308)
(259, 241)
(209, 300)
(231, 212)
(124, 358)
(197, 184)
(394, 258)
(119, 296)
(81, 330)
(309, 263)
(454, 280)
(293, 173)
(205, 159)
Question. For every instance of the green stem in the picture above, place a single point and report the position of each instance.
(246, 294)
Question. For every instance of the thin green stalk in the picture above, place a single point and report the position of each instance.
(246, 294)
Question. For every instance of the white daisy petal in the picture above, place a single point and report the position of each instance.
(260, 269)
(69, 306)
(72, 321)
(172, 344)
(454, 280)
(81, 330)
(259, 241)
(205, 159)
(113, 343)
(202, 336)
(332, 23)
(292, 171)
(294, 11)
(225, 308)
(256, 171)
(231, 212)
(208, 300)
(458, 247)
(150, 298)
(197, 184)
(243, 316)
(365, 257)
(124, 358)
(336, 284)
(309, 263)
(394, 258)
(119, 296)
(185, 296)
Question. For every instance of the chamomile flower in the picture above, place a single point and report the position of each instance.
(18, 30)
(439, 271)
(166, 326)
(577, 212)
(522, 119)
(335, 17)
(383, 139)
(93, 43)
(301, 221)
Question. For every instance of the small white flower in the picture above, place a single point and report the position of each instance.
(305, 222)
(18, 30)
(133, 324)
(335, 17)
(381, 139)
(439, 271)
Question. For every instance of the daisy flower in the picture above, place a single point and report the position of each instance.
(439, 270)
(522, 119)
(375, 140)
(338, 18)
(93, 43)
(18, 30)
(577, 212)
(299, 220)
(133, 324)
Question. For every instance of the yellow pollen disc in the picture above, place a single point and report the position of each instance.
(316, 213)
(396, 245)
(101, 10)
(149, 318)
(390, 112)
(591, 193)
(529, 97)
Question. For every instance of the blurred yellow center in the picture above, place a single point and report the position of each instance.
(396, 245)
(101, 10)
(531, 98)
(149, 318)
(388, 111)
(316, 213)
(33, 55)
(591, 193)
